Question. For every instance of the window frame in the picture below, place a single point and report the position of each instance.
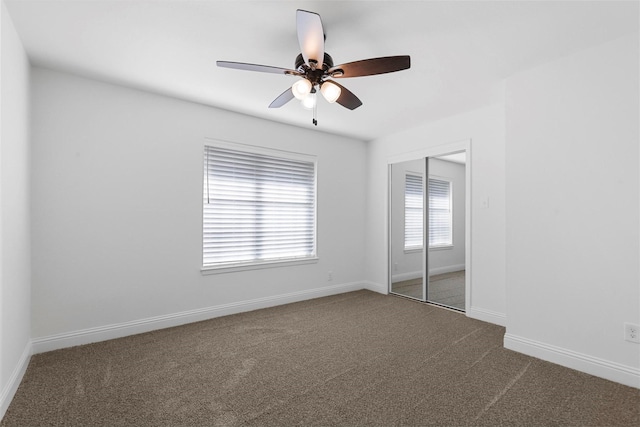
(259, 263)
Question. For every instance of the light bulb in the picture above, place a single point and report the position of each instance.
(330, 91)
(309, 101)
(301, 88)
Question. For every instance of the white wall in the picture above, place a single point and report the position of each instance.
(117, 212)
(485, 128)
(15, 258)
(572, 210)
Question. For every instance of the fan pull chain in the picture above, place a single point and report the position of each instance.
(315, 91)
(315, 114)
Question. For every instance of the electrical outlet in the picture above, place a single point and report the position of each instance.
(632, 332)
(330, 276)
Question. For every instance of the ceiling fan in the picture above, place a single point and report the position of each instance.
(316, 69)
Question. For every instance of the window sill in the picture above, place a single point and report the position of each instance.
(431, 248)
(413, 250)
(256, 266)
(441, 248)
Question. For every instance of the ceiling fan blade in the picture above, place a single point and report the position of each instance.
(347, 99)
(256, 67)
(282, 99)
(370, 67)
(310, 36)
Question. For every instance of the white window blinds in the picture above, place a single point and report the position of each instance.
(440, 212)
(257, 208)
(413, 215)
(440, 218)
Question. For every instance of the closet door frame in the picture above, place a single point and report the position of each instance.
(435, 151)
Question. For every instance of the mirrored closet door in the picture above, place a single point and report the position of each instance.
(428, 210)
(406, 226)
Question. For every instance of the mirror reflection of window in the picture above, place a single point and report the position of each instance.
(413, 212)
(440, 213)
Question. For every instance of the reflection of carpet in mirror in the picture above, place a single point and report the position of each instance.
(410, 288)
(447, 289)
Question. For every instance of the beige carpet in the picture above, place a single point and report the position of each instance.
(353, 359)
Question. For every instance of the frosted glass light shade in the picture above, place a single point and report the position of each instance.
(330, 91)
(301, 89)
(309, 101)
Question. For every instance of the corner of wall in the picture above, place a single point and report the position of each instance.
(15, 249)
(11, 386)
(606, 369)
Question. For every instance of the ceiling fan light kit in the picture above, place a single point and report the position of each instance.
(330, 91)
(310, 101)
(301, 89)
(315, 68)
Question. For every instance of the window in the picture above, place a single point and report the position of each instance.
(259, 207)
(413, 218)
(440, 213)
(440, 218)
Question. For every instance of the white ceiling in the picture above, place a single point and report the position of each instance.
(460, 51)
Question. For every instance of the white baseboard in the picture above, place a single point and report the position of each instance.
(15, 379)
(400, 277)
(119, 330)
(446, 269)
(487, 316)
(432, 272)
(612, 371)
(376, 287)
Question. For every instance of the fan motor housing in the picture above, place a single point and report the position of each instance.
(327, 62)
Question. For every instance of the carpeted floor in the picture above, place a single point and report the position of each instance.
(359, 358)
